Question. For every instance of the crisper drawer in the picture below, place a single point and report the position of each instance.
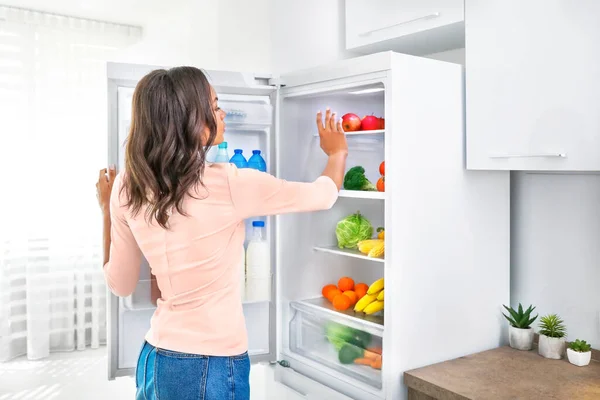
(246, 115)
(350, 347)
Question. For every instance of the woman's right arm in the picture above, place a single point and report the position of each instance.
(255, 193)
(333, 143)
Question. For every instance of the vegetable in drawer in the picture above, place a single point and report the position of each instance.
(339, 334)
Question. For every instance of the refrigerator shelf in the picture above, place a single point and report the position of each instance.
(378, 133)
(357, 194)
(321, 306)
(347, 253)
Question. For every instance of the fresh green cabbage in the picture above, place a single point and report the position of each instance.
(352, 230)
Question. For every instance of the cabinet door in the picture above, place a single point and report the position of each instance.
(407, 26)
(533, 85)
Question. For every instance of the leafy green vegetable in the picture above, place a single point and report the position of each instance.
(580, 346)
(519, 318)
(352, 229)
(348, 353)
(552, 326)
(339, 335)
(355, 179)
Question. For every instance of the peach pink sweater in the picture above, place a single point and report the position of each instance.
(197, 261)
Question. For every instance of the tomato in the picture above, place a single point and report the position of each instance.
(381, 184)
(382, 168)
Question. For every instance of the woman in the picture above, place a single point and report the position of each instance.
(186, 217)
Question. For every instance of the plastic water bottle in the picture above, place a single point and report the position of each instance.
(257, 162)
(258, 265)
(238, 159)
(222, 155)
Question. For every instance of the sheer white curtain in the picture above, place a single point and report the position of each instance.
(53, 124)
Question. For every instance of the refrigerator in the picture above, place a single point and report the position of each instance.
(446, 263)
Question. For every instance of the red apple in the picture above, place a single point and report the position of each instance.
(351, 122)
(369, 123)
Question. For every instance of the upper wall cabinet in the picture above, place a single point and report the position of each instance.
(408, 26)
(533, 85)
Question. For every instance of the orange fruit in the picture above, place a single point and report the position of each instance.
(326, 289)
(333, 293)
(361, 289)
(346, 283)
(341, 302)
(352, 296)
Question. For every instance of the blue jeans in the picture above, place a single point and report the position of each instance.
(169, 375)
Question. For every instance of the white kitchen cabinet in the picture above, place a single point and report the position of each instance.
(533, 85)
(408, 26)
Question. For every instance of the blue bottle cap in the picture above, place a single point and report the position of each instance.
(258, 224)
(238, 151)
(255, 151)
(223, 145)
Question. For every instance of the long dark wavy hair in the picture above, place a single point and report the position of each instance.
(165, 154)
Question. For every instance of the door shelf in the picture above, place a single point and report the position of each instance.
(309, 328)
(357, 194)
(247, 114)
(347, 253)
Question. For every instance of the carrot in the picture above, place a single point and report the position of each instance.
(376, 364)
(363, 361)
(369, 355)
(376, 350)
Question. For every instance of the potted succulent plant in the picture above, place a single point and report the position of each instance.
(552, 337)
(520, 332)
(579, 353)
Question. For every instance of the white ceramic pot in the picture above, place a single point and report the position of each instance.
(520, 339)
(550, 347)
(579, 359)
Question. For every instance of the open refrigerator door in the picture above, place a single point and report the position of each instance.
(248, 101)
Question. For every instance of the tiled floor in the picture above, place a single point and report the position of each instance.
(82, 375)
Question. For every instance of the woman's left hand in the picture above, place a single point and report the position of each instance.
(104, 186)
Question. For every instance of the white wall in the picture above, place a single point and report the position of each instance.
(184, 33)
(223, 34)
(228, 35)
(307, 33)
(556, 248)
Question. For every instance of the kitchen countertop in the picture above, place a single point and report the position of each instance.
(504, 373)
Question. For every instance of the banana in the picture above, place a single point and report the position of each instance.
(376, 287)
(380, 296)
(364, 302)
(373, 307)
(365, 246)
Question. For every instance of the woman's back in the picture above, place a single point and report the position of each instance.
(187, 219)
(196, 261)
